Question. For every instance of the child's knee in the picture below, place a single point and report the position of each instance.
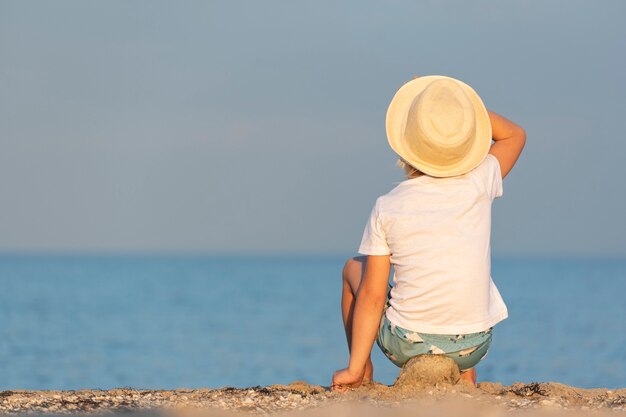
(353, 269)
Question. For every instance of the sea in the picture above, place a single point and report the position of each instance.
(164, 322)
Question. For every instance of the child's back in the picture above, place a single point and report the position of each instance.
(437, 232)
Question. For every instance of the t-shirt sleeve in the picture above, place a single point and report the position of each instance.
(490, 174)
(374, 241)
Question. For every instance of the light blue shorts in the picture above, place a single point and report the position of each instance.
(400, 344)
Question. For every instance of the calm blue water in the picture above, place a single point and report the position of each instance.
(166, 322)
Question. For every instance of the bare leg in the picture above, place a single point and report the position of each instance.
(352, 275)
(469, 376)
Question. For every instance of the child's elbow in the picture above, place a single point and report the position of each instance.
(373, 298)
(522, 133)
(520, 136)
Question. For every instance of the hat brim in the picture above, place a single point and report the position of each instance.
(396, 120)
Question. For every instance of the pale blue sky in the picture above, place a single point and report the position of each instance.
(247, 126)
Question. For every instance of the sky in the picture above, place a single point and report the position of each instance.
(258, 127)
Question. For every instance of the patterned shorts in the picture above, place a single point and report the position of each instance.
(400, 345)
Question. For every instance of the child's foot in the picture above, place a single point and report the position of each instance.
(469, 376)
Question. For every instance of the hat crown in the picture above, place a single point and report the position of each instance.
(440, 122)
(439, 125)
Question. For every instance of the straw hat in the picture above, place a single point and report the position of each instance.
(439, 125)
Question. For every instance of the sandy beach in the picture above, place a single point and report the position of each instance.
(308, 399)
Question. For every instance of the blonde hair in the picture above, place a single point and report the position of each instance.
(410, 171)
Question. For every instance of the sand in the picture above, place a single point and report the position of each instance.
(302, 396)
(426, 387)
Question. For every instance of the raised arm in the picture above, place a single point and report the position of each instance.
(509, 141)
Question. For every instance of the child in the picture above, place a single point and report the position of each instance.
(434, 228)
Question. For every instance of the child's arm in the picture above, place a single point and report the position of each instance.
(509, 141)
(366, 319)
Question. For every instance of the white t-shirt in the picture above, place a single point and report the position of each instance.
(437, 231)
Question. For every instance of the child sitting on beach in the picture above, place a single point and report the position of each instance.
(434, 228)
